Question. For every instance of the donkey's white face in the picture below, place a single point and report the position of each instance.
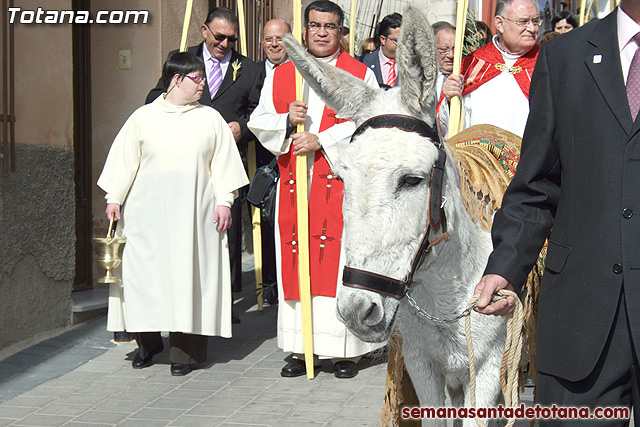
(386, 176)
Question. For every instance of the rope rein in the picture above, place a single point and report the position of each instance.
(510, 360)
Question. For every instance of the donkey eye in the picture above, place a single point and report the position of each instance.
(410, 181)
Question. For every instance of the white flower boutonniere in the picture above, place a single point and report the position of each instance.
(236, 67)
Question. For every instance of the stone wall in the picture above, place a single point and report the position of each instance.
(37, 249)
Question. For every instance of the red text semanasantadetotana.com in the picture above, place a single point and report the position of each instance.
(41, 16)
(518, 412)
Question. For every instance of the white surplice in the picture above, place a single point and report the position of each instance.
(330, 337)
(499, 102)
(170, 166)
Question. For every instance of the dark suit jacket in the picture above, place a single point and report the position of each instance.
(372, 60)
(579, 174)
(235, 100)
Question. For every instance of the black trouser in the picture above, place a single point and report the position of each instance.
(187, 349)
(613, 382)
(234, 237)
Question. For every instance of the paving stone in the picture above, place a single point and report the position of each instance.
(241, 417)
(272, 374)
(254, 382)
(184, 404)
(197, 421)
(83, 398)
(138, 395)
(155, 414)
(143, 423)
(267, 408)
(291, 423)
(269, 396)
(212, 410)
(372, 413)
(43, 420)
(349, 422)
(217, 376)
(15, 412)
(189, 394)
(229, 400)
(104, 367)
(64, 409)
(5, 422)
(309, 404)
(298, 415)
(30, 401)
(102, 417)
(203, 385)
(113, 405)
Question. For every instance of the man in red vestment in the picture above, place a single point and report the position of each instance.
(276, 116)
(496, 77)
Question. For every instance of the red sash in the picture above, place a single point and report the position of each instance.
(487, 62)
(325, 198)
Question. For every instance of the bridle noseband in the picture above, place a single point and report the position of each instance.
(360, 279)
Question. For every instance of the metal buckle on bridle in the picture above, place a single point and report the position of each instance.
(360, 279)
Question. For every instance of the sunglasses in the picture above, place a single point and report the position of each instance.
(221, 37)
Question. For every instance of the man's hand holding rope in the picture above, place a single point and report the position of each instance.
(489, 285)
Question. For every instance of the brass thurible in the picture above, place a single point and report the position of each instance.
(107, 252)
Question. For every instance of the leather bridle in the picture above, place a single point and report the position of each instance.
(361, 279)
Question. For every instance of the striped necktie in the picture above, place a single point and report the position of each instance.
(215, 77)
(633, 81)
(391, 80)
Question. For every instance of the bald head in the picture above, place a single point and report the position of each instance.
(272, 40)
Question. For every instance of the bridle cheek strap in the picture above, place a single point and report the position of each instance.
(361, 279)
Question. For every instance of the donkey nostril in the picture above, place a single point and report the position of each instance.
(369, 311)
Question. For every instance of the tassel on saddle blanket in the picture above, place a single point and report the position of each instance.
(487, 158)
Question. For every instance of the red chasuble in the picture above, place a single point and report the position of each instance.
(325, 198)
(487, 62)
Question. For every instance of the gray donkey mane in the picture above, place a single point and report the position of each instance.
(354, 99)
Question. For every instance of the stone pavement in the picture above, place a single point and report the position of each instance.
(82, 378)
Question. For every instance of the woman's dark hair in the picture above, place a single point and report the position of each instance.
(180, 63)
(565, 14)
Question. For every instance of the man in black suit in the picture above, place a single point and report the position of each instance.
(579, 179)
(382, 61)
(236, 83)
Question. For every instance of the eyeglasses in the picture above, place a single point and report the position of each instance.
(445, 50)
(196, 79)
(524, 22)
(314, 27)
(221, 37)
(270, 40)
(393, 40)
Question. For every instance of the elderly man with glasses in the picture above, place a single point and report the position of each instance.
(382, 61)
(273, 122)
(233, 89)
(498, 73)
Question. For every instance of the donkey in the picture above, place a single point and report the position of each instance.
(398, 178)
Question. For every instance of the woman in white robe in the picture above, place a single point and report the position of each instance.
(174, 167)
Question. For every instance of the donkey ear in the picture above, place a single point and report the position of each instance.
(417, 63)
(341, 91)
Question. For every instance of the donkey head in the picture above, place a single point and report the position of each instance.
(386, 171)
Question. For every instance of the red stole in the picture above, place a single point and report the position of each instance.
(325, 198)
(487, 62)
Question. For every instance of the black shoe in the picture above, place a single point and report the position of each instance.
(345, 369)
(295, 368)
(179, 369)
(234, 318)
(139, 362)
